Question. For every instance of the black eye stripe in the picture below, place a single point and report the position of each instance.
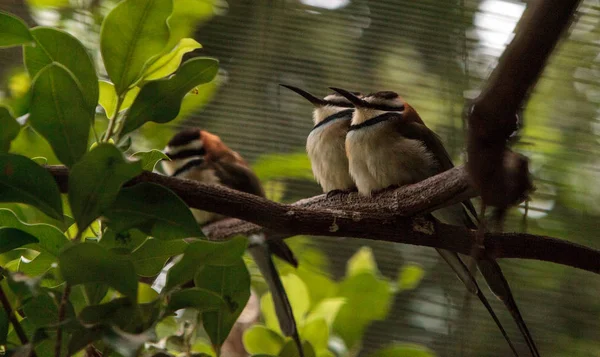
(188, 166)
(184, 137)
(335, 116)
(187, 153)
(373, 121)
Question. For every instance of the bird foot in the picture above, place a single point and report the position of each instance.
(334, 193)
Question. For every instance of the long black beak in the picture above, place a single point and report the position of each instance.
(359, 103)
(317, 102)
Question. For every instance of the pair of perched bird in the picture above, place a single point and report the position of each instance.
(359, 142)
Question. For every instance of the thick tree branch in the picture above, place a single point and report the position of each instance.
(500, 175)
(383, 217)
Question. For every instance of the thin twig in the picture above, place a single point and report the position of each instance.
(62, 308)
(14, 321)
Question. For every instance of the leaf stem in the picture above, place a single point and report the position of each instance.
(14, 321)
(61, 317)
(113, 120)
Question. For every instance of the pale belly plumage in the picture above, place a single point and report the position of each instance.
(325, 148)
(379, 157)
(205, 176)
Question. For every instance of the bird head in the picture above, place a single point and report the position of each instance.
(324, 108)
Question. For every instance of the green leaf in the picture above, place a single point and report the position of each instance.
(24, 181)
(317, 332)
(327, 310)
(154, 210)
(11, 238)
(367, 299)
(291, 350)
(95, 181)
(51, 239)
(410, 276)
(108, 98)
(298, 296)
(196, 298)
(124, 343)
(119, 312)
(54, 45)
(3, 326)
(259, 339)
(13, 31)
(159, 101)
(133, 34)
(232, 283)
(187, 14)
(10, 128)
(146, 294)
(150, 158)
(39, 265)
(90, 263)
(150, 257)
(168, 63)
(361, 262)
(23, 286)
(48, 3)
(403, 350)
(274, 166)
(123, 241)
(202, 252)
(42, 311)
(60, 113)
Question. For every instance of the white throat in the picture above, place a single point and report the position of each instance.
(322, 113)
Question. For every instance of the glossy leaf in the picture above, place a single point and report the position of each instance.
(259, 339)
(403, 350)
(150, 158)
(151, 257)
(108, 98)
(10, 129)
(203, 252)
(298, 296)
(232, 283)
(60, 113)
(368, 298)
(160, 101)
(90, 263)
(168, 63)
(11, 238)
(24, 181)
(95, 181)
(54, 45)
(51, 239)
(154, 210)
(410, 276)
(361, 262)
(196, 298)
(133, 34)
(13, 31)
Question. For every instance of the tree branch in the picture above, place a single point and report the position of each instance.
(500, 175)
(383, 217)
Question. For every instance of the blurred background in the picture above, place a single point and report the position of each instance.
(437, 55)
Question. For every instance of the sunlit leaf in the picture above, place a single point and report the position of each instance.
(361, 262)
(13, 31)
(327, 310)
(159, 101)
(368, 298)
(48, 3)
(51, 239)
(150, 158)
(410, 276)
(186, 16)
(60, 113)
(39, 265)
(11, 238)
(24, 181)
(10, 129)
(297, 295)
(259, 339)
(317, 332)
(132, 34)
(232, 283)
(273, 166)
(403, 350)
(146, 294)
(196, 298)
(90, 263)
(108, 98)
(168, 63)
(150, 257)
(202, 252)
(95, 181)
(154, 210)
(54, 45)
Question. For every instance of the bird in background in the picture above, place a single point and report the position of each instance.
(325, 143)
(201, 156)
(387, 145)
